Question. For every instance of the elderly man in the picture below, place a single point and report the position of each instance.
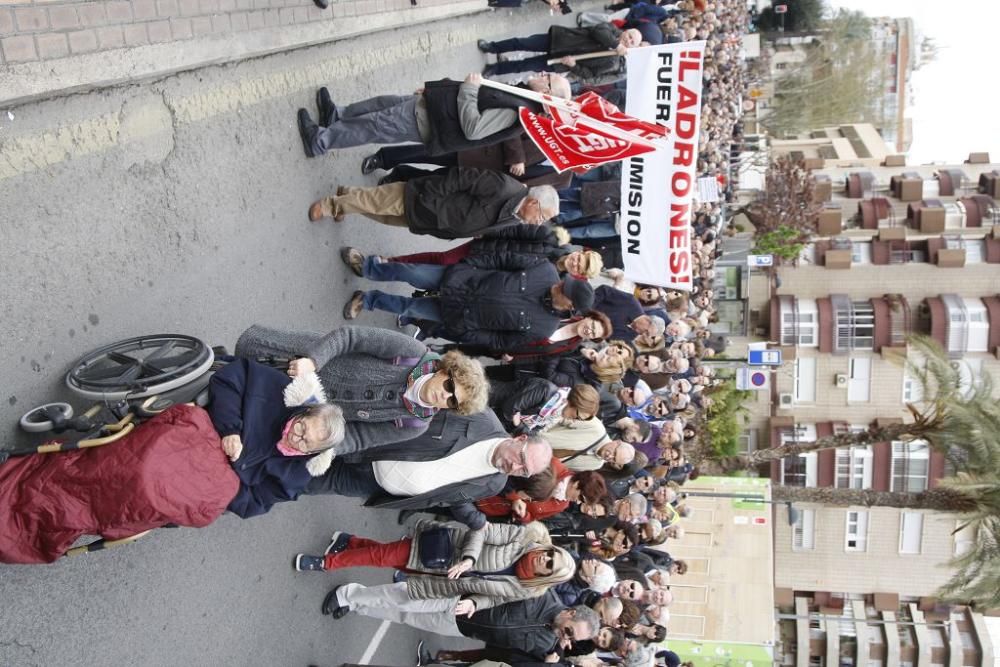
(456, 461)
(446, 116)
(541, 627)
(564, 43)
(461, 202)
(615, 453)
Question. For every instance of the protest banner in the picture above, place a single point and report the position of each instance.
(664, 86)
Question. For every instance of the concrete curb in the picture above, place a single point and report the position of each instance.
(40, 80)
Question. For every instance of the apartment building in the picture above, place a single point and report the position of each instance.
(902, 249)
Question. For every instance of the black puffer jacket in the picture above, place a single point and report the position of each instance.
(563, 371)
(522, 625)
(462, 202)
(517, 239)
(565, 41)
(498, 302)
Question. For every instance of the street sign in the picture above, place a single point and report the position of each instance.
(764, 357)
(781, 9)
(748, 379)
(760, 260)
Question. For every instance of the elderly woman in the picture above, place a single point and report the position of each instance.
(502, 562)
(530, 503)
(388, 385)
(277, 432)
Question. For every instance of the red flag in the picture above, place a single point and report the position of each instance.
(578, 145)
(600, 109)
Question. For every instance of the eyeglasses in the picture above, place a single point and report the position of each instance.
(297, 436)
(548, 562)
(449, 386)
(548, 82)
(523, 457)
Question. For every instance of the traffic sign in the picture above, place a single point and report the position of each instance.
(760, 260)
(751, 379)
(764, 357)
(781, 9)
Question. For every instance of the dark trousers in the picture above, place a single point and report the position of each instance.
(537, 43)
(346, 479)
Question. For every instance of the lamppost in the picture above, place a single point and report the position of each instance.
(793, 512)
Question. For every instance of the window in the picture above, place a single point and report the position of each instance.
(975, 249)
(970, 373)
(805, 380)
(854, 468)
(861, 253)
(965, 538)
(910, 466)
(799, 470)
(968, 325)
(804, 531)
(859, 387)
(798, 322)
(911, 532)
(856, 538)
(854, 322)
(913, 392)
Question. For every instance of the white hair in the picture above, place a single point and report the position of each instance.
(547, 198)
(331, 420)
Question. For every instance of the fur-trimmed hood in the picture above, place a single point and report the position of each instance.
(305, 390)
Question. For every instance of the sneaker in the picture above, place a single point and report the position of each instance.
(338, 542)
(424, 656)
(398, 577)
(354, 259)
(307, 563)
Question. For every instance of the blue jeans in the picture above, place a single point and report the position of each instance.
(421, 276)
(598, 229)
(423, 308)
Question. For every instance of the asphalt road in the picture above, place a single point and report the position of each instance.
(180, 206)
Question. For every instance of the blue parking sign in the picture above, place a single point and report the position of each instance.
(764, 357)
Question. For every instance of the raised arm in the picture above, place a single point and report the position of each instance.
(373, 341)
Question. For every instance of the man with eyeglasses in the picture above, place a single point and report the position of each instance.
(456, 461)
(541, 627)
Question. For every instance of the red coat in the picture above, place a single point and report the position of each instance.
(171, 469)
(498, 507)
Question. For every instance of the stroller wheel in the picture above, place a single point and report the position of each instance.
(44, 417)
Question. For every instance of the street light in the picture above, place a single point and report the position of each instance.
(793, 512)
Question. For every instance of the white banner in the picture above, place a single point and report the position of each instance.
(664, 86)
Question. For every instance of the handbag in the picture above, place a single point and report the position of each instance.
(435, 548)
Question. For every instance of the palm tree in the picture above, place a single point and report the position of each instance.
(948, 416)
(940, 499)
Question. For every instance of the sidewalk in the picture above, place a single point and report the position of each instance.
(51, 47)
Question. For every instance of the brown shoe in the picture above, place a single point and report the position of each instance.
(354, 259)
(354, 307)
(324, 208)
(341, 190)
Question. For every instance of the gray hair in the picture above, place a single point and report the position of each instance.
(659, 326)
(637, 502)
(588, 616)
(547, 198)
(331, 420)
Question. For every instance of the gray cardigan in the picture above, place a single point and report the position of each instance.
(493, 548)
(357, 369)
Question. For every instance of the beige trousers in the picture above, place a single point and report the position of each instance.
(383, 203)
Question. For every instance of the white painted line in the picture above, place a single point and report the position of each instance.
(374, 643)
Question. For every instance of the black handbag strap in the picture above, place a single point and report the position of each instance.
(584, 451)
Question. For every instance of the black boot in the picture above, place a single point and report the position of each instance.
(328, 112)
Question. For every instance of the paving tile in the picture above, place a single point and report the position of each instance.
(110, 37)
(19, 48)
(82, 41)
(30, 19)
(62, 18)
(52, 45)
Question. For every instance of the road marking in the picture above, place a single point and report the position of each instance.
(374, 643)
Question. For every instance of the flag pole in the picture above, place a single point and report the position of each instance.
(572, 107)
(585, 56)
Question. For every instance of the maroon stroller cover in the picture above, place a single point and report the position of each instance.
(170, 469)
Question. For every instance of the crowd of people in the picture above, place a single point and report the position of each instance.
(532, 410)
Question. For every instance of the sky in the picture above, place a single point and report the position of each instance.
(956, 98)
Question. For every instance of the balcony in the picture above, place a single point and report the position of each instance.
(992, 304)
(874, 211)
(859, 184)
(989, 184)
(927, 216)
(950, 181)
(836, 253)
(979, 210)
(892, 324)
(908, 186)
(853, 324)
(960, 325)
(898, 251)
(829, 221)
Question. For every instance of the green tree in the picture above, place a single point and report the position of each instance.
(725, 418)
(784, 242)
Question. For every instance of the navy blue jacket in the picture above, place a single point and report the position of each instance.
(620, 307)
(247, 401)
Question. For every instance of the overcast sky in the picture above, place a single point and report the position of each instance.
(956, 107)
